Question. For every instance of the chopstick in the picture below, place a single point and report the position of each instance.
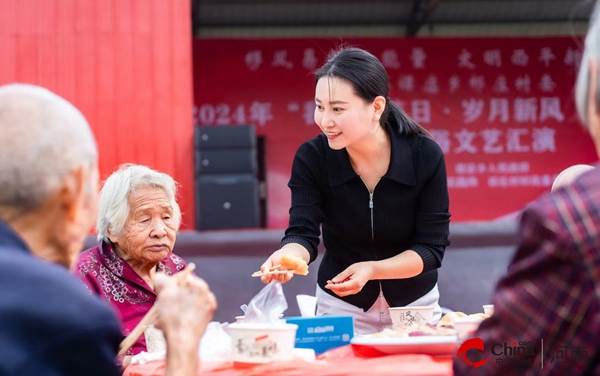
(271, 271)
(149, 318)
(260, 274)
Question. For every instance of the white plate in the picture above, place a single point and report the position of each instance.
(431, 345)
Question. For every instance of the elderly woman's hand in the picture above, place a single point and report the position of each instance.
(185, 307)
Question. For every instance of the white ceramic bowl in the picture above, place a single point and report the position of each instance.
(241, 318)
(262, 343)
(403, 318)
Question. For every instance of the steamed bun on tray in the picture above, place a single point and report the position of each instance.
(448, 320)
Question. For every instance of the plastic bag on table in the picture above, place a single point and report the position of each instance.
(267, 306)
(215, 344)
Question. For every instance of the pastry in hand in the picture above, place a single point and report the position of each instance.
(295, 264)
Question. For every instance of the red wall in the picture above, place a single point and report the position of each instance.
(126, 64)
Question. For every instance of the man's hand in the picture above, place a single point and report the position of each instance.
(185, 307)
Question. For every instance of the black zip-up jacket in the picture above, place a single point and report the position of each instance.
(407, 210)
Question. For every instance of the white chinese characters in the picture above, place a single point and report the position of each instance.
(258, 113)
(496, 141)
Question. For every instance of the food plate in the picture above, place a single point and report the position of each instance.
(431, 345)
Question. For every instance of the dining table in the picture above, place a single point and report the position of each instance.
(349, 360)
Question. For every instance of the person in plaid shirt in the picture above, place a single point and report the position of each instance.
(547, 307)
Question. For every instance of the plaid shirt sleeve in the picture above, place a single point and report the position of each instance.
(548, 294)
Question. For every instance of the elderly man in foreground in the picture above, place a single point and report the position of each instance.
(50, 324)
(547, 308)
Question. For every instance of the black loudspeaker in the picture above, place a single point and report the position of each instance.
(225, 201)
(233, 136)
(226, 161)
(229, 174)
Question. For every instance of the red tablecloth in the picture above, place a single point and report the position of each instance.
(345, 360)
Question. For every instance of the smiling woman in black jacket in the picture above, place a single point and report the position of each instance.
(376, 185)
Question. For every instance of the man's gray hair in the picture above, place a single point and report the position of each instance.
(114, 197)
(42, 138)
(592, 50)
(569, 175)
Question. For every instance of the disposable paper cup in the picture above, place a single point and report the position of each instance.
(404, 318)
(155, 340)
(466, 326)
(488, 309)
(262, 343)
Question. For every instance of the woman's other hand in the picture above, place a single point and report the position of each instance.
(351, 280)
(291, 249)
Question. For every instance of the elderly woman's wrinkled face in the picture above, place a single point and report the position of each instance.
(150, 231)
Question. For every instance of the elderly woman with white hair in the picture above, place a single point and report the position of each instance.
(137, 227)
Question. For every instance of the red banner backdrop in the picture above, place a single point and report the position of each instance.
(502, 109)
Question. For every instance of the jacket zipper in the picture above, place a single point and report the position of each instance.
(371, 207)
(373, 227)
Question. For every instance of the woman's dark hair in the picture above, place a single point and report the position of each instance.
(369, 79)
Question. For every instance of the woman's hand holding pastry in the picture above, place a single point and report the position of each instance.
(290, 257)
